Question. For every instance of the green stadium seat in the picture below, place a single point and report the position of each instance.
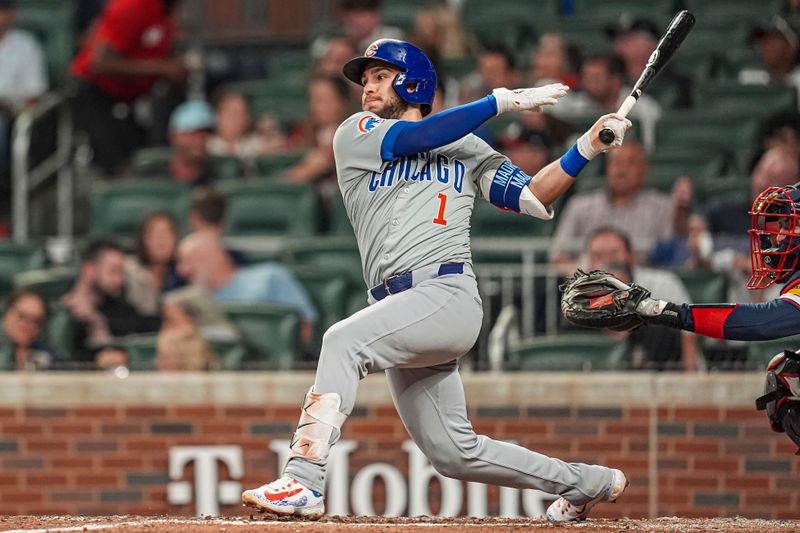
(611, 9)
(264, 208)
(709, 42)
(272, 166)
(118, 207)
(50, 283)
(570, 352)
(60, 330)
(696, 163)
(759, 353)
(731, 187)
(328, 291)
(722, 132)
(459, 68)
(488, 220)
(141, 350)
(154, 162)
(737, 59)
(337, 253)
(16, 258)
(230, 354)
(287, 62)
(402, 13)
(270, 333)
(704, 286)
(52, 22)
(506, 11)
(289, 108)
(746, 100)
(734, 10)
(339, 221)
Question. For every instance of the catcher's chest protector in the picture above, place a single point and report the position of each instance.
(783, 385)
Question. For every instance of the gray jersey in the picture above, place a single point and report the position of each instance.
(413, 211)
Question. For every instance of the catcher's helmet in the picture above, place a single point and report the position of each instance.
(416, 84)
(774, 236)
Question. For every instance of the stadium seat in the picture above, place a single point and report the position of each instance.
(154, 163)
(52, 22)
(288, 107)
(337, 253)
(402, 13)
(118, 207)
(723, 132)
(611, 9)
(704, 286)
(270, 333)
(505, 11)
(759, 353)
(696, 163)
(339, 222)
(50, 283)
(488, 220)
(141, 350)
(15, 258)
(733, 10)
(60, 330)
(263, 208)
(272, 166)
(748, 100)
(570, 352)
(328, 291)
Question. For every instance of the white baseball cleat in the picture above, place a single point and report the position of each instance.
(286, 497)
(563, 511)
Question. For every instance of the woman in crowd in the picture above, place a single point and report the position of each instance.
(151, 270)
(25, 314)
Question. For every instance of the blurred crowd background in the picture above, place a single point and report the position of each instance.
(169, 198)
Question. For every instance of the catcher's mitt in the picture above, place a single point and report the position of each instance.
(599, 300)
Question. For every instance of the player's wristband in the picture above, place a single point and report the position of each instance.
(573, 162)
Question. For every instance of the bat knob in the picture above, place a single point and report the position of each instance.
(606, 136)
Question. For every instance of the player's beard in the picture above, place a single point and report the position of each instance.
(394, 108)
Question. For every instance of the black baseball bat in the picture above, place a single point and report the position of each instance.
(677, 31)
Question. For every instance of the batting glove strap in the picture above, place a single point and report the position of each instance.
(531, 99)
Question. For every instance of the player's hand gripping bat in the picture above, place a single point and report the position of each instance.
(677, 31)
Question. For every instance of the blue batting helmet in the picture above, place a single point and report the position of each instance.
(416, 84)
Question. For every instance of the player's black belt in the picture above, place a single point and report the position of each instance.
(403, 282)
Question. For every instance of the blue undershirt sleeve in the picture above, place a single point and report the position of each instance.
(406, 138)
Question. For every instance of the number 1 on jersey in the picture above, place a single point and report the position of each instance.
(440, 217)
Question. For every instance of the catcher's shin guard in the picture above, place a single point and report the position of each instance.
(319, 419)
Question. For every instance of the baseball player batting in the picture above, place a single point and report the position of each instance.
(408, 184)
(600, 300)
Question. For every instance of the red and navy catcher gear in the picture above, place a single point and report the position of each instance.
(774, 239)
(415, 85)
(781, 397)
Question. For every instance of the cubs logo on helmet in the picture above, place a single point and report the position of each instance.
(371, 50)
(368, 123)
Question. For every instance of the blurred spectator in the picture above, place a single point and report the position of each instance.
(781, 130)
(497, 67)
(23, 73)
(203, 261)
(728, 217)
(329, 105)
(86, 14)
(24, 315)
(647, 216)
(331, 54)
(207, 213)
(554, 60)
(190, 128)
(99, 309)
(126, 51)
(729, 221)
(603, 91)
(529, 149)
(634, 40)
(151, 271)
(234, 134)
(362, 22)
(440, 33)
(651, 348)
(690, 249)
(273, 140)
(778, 46)
(180, 345)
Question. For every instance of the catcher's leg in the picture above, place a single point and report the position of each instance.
(431, 403)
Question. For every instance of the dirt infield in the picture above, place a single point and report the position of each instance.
(259, 524)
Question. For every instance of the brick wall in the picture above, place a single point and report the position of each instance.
(701, 460)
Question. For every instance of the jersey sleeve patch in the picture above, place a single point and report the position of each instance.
(793, 296)
(367, 123)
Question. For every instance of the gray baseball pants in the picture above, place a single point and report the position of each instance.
(417, 337)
